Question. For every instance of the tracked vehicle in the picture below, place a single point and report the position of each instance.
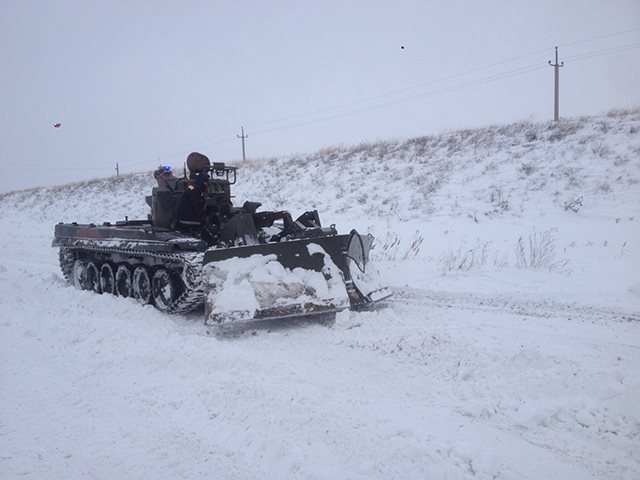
(243, 265)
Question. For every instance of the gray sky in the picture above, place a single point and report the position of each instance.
(144, 83)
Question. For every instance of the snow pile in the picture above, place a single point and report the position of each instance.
(368, 281)
(510, 348)
(239, 288)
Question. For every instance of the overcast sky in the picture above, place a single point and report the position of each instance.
(143, 83)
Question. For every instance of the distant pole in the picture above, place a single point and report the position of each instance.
(117, 170)
(243, 136)
(556, 108)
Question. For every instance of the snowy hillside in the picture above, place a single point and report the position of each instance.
(510, 348)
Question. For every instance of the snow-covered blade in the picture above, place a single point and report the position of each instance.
(258, 287)
(291, 278)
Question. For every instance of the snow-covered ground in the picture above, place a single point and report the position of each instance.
(511, 348)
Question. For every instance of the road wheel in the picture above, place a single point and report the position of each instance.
(93, 278)
(141, 285)
(165, 289)
(124, 285)
(79, 274)
(107, 279)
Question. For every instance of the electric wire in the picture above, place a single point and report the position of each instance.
(431, 82)
(409, 99)
(225, 138)
(445, 90)
(438, 80)
(433, 93)
(600, 53)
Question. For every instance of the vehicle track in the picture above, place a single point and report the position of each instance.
(510, 304)
(188, 265)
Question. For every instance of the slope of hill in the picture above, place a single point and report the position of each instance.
(485, 199)
(510, 349)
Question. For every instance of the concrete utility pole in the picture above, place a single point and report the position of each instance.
(243, 136)
(556, 66)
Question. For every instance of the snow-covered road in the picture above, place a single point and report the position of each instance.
(430, 385)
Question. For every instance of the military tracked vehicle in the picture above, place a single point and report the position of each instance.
(244, 264)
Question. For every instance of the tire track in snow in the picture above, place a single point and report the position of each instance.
(510, 304)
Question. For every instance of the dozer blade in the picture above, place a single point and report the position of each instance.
(289, 278)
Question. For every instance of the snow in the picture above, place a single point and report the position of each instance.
(237, 288)
(510, 348)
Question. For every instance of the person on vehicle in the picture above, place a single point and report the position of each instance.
(197, 163)
(165, 177)
(190, 211)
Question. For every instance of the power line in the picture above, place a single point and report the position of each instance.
(609, 35)
(395, 92)
(412, 98)
(438, 80)
(445, 90)
(377, 107)
(400, 101)
(600, 53)
(225, 138)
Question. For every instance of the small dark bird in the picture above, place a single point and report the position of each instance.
(57, 125)
(402, 47)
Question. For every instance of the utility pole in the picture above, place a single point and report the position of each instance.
(556, 66)
(243, 136)
(117, 170)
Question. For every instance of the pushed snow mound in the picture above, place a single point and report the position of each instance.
(241, 289)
